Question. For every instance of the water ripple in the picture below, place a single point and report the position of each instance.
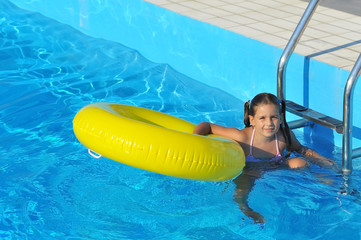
(51, 189)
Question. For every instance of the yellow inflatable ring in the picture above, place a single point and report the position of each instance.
(156, 142)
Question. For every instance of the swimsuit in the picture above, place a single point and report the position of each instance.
(251, 158)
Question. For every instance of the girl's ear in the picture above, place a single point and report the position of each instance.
(251, 119)
(282, 117)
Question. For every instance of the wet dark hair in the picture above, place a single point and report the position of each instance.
(268, 98)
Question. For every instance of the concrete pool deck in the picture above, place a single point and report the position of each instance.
(333, 35)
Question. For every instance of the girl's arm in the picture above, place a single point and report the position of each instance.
(205, 128)
(311, 155)
(315, 157)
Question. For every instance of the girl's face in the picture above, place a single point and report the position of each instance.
(266, 120)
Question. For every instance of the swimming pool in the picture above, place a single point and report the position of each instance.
(51, 188)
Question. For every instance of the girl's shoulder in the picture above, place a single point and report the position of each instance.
(245, 134)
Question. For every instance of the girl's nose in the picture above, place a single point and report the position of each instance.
(269, 122)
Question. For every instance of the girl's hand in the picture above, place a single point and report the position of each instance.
(203, 128)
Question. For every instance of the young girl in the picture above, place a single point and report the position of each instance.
(267, 141)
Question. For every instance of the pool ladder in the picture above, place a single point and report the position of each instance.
(308, 115)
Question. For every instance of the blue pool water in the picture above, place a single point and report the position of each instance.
(51, 188)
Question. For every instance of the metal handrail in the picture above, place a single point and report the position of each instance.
(347, 151)
(282, 64)
(347, 117)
